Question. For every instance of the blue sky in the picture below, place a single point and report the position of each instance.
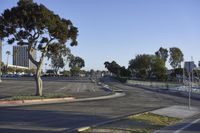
(120, 29)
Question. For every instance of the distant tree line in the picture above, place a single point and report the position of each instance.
(114, 68)
(150, 66)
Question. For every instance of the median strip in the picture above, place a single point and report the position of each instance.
(56, 100)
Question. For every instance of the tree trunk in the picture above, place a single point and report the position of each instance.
(39, 85)
(38, 79)
(38, 64)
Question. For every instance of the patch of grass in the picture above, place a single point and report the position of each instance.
(141, 123)
(33, 97)
(155, 119)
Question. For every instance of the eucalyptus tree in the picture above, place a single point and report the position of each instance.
(176, 57)
(162, 53)
(76, 63)
(116, 69)
(35, 26)
(59, 56)
(147, 66)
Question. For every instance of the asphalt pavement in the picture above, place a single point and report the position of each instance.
(65, 117)
(77, 88)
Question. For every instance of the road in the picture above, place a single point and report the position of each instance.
(63, 117)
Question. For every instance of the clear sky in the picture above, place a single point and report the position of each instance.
(120, 29)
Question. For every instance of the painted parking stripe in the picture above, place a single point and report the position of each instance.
(186, 126)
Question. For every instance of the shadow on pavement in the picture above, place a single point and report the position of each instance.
(15, 120)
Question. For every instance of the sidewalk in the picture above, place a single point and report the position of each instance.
(177, 111)
(189, 116)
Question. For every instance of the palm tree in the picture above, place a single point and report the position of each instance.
(8, 54)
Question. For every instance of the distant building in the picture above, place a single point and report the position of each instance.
(20, 57)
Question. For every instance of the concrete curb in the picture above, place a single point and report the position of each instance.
(35, 101)
(62, 100)
(56, 100)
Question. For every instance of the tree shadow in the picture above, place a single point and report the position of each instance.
(17, 120)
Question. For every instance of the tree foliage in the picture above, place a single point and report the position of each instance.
(162, 53)
(158, 69)
(176, 57)
(19, 70)
(29, 71)
(58, 55)
(113, 67)
(124, 72)
(37, 27)
(1, 63)
(147, 67)
(10, 70)
(76, 63)
(116, 69)
(140, 66)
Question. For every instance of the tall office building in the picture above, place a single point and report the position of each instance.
(20, 57)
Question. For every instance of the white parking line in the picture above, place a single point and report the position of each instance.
(186, 126)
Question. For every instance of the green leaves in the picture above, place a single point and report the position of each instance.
(10, 41)
(116, 69)
(148, 66)
(29, 18)
(176, 57)
(44, 40)
(162, 53)
(76, 62)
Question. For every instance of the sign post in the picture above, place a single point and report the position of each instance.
(189, 66)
